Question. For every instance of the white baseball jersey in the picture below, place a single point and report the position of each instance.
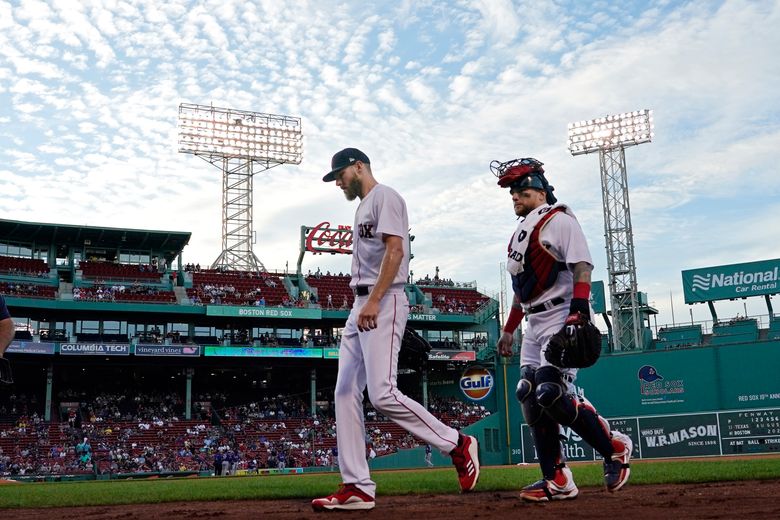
(562, 236)
(381, 212)
(369, 359)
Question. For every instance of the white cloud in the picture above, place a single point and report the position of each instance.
(432, 91)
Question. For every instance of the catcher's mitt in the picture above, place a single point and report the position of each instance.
(6, 376)
(414, 350)
(576, 345)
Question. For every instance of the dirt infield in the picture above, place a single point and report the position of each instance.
(750, 499)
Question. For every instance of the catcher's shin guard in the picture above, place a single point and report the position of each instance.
(592, 428)
(526, 396)
(571, 410)
(544, 430)
(553, 395)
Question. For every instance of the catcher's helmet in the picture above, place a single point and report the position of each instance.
(511, 171)
(524, 173)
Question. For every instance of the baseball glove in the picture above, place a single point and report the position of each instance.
(576, 345)
(414, 350)
(6, 376)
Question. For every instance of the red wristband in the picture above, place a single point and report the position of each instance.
(581, 290)
(513, 320)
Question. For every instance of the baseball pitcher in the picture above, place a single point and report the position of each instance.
(368, 354)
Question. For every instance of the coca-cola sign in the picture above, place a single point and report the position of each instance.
(324, 239)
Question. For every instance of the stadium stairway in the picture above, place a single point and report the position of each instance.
(66, 291)
(181, 296)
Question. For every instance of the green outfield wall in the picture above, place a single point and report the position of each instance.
(705, 401)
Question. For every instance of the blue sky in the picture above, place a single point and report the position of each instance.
(432, 91)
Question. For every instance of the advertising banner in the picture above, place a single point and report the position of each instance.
(753, 431)
(330, 353)
(324, 239)
(476, 382)
(264, 312)
(723, 282)
(153, 349)
(95, 349)
(452, 355)
(415, 316)
(277, 352)
(574, 448)
(679, 435)
(30, 347)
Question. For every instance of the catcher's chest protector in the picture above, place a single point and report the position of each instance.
(540, 267)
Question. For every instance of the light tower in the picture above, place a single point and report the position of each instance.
(610, 136)
(241, 144)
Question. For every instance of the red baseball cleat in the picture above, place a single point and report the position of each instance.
(465, 457)
(347, 498)
(617, 470)
(562, 487)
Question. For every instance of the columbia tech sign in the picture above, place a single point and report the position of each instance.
(731, 281)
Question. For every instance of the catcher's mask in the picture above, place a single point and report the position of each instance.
(519, 174)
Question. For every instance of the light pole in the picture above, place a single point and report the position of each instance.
(610, 136)
(241, 144)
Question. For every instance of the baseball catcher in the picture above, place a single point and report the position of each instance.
(550, 265)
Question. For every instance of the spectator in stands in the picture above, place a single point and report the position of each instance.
(6, 327)
(218, 463)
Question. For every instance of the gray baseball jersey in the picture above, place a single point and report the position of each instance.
(381, 212)
(369, 358)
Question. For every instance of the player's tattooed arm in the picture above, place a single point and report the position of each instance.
(581, 272)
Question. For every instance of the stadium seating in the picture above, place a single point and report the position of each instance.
(682, 336)
(135, 293)
(28, 290)
(336, 286)
(88, 337)
(23, 335)
(735, 331)
(774, 328)
(24, 266)
(238, 288)
(54, 335)
(205, 340)
(455, 300)
(113, 271)
(169, 443)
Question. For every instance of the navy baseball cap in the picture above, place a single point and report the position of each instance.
(342, 159)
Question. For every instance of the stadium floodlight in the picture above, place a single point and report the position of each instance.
(240, 143)
(627, 129)
(610, 136)
(207, 130)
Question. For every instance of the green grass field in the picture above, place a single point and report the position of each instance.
(428, 481)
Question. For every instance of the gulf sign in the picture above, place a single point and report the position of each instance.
(476, 383)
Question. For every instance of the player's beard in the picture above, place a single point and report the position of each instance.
(354, 189)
